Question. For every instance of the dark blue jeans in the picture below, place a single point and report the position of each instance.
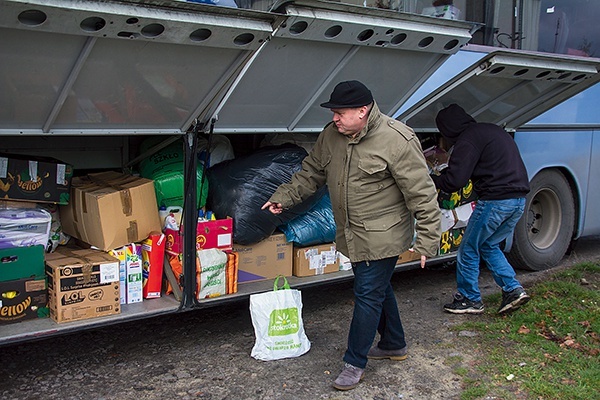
(375, 310)
(492, 221)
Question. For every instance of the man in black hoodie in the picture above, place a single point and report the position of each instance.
(488, 155)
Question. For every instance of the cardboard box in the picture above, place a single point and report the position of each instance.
(451, 240)
(38, 179)
(22, 262)
(315, 260)
(264, 260)
(462, 196)
(23, 299)
(345, 264)
(110, 210)
(133, 267)
(82, 284)
(153, 258)
(463, 214)
(408, 255)
(217, 234)
(119, 254)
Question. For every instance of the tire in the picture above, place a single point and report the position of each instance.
(544, 233)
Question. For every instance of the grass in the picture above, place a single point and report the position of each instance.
(548, 349)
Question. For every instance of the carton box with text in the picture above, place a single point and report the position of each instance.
(315, 260)
(38, 179)
(153, 257)
(120, 255)
(23, 299)
(216, 234)
(109, 210)
(265, 259)
(133, 268)
(82, 284)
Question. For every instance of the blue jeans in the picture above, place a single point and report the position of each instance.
(492, 221)
(375, 310)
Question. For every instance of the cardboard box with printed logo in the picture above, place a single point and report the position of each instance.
(23, 299)
(33, 178)
(216, 234)
(265, 259)
(82, 284)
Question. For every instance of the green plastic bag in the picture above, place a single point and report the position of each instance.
(166, 169)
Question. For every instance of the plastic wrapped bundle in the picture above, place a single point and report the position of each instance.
(20, 227)
(240, 187)
(317, 226)
(166, 169)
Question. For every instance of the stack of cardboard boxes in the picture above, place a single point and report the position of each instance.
(26, 182)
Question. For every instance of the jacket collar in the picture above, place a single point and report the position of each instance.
(372, 123)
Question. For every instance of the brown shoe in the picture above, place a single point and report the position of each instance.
(380, 354)
(349, 378)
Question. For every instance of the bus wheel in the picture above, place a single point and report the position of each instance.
(544, 233)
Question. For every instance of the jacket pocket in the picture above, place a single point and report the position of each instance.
(374, 175)
(325, 159)
(381, 223)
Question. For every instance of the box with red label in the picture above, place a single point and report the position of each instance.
(153, 256)
(217, 234)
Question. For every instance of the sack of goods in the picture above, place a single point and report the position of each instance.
(277, 320)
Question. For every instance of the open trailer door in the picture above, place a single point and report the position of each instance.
(87, 69)
(511, 88)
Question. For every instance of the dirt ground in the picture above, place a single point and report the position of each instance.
(205, 354)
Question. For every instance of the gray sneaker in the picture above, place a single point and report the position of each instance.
(462, 305)
(513, 300)
(349, 378)
(380, 354)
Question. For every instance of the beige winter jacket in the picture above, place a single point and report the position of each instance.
(379, 187)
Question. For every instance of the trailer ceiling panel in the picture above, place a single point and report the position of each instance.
(314, 49)
(123, 67)
(156, 66)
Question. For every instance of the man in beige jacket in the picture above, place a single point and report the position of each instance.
(381, 194)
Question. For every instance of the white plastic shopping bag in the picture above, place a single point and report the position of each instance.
(277, 320)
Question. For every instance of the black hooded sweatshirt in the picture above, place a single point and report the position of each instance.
(483, 152)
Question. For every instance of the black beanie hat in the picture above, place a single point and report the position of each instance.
(349, 94)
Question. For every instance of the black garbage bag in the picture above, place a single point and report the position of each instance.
(238, 188)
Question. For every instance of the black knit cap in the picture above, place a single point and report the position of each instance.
(349, 94)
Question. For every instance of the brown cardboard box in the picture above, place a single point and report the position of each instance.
(408, 255)
(37, 179)
(109, 210)
(264, 260)
(315, 260)
(23, 299)
(82, 284)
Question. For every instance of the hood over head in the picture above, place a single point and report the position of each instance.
(452, 121)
